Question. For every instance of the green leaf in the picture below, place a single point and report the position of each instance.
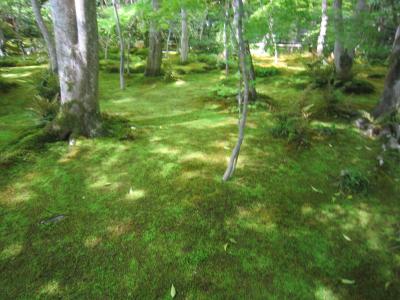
(346, 238)
(316, 190)
(173, 291)
(347, 281)
(226, 247)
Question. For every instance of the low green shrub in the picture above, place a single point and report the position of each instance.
(267, 71)
(225, 91)
(353, 181)
(6, 86)
(320, 71)
(48, 85)
(327, 130)
(209, 59)
(358, 86)
(45, 109)
(118, 127)
(294, 129)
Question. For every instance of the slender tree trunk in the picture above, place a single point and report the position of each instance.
(154, 59)
(273, 37)
(343, 58)
(121, 47)
(390, 100)
(128, 53)
(76, 37)
(238, 6)
(2, 43)
(51, 48)
(323, 28)
(226, 41)
(168, 40)
(106, 45)
(184, 37)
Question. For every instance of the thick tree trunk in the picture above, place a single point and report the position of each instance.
(76, 37)
(121, 47)
(184, 37)
(238, 7)
(154, 59)
(343, 57)
(2, 43)
(390, 100)
(323, 28)
(226, 41)
(48, 39)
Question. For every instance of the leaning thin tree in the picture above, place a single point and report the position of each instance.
(243, 97)
(76, 37)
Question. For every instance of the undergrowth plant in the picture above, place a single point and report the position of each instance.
(353, 181)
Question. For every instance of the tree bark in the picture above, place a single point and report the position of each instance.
(154, 58)
(76, 37)
(226, 41)
(238, 7)
(168, 40)
(252, 73)
(323, 28)
(2, 43)
(48, 39)
(390, 100)
(121, 47)
(184, 37)
(343, 58)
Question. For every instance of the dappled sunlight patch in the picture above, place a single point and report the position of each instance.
(180, 82)
(16, 194)
(194, 156)
(52, 288)
(72, 153)
(119, 228)
(102, 181)
(209, 123)
(135, 194)
(92, 241)
(307, 210)
(11, 251)
(256, 218)
(191, 174)
(324, 293)
(16, 76)
(163, 149)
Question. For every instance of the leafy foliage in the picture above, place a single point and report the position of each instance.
(267, 71)
(353, 181)
(320, 71)
(48, 86)
(45, 109)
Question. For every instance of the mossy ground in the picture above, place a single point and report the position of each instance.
(145, 213)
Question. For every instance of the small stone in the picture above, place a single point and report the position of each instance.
(55, 219)
(380, 160)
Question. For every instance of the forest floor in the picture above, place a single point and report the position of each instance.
(144, 213)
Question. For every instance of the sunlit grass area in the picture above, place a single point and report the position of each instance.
(141, 214)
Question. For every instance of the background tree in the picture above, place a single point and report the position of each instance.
(244, 99)
(154, 58)
(48, 38)
(390, 100)
(121, 46)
